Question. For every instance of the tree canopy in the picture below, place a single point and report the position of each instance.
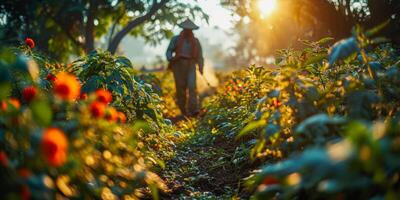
(80, 26)
(306, 19)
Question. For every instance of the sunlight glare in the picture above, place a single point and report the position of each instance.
(266, 7)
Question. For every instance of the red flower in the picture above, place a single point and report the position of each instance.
(97, 109)
(30, 42)
(83, 96)
(112, 114)
(11, 103)
(269, 180)
(276, 102)
(29, 93)
(67, 86)
(50, 77)
(54, 146)
(3, 158)
(103, 96)
(121, 117)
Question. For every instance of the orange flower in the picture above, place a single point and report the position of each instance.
(30, 42)
(112, 114)
(276, 102)
(97, 109)
(11, 103)
(103, 96)
(29, 93)
(121, 117)
(54, 146)
(3, 158)
(67, 86)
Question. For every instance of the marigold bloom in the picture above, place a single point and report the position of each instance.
(121, 117)
(112, 114)
(3, 158)
(10, 103)
(97, 109)
(54, 146)
(30, 42)
(67, 86)
(29, 93)
(103, 96)
(50, 77)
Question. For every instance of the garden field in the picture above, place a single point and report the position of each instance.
(200, 99)
(323, 123)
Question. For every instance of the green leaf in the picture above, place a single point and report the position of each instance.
(271, 129)
(317, 58)
(325, 40)
(251, 126)
(342, 50)
(319, 119)
(5, 90)
(92, 84)
(41, 112)
(154, 191)
(141, 125)
(125, 62)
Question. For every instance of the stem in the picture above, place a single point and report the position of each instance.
(371, 72)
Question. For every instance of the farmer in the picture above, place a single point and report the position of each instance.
(183, 53)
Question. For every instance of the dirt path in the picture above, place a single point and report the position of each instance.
(205, 167)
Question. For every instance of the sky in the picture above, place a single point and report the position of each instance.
(212, 35)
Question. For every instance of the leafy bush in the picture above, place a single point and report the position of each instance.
(365, 164)
(314, 97)
(57, 142)
(359, 88)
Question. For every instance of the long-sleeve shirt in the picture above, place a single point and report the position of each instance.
(186, 50)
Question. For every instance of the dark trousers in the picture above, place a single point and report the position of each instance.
(184, 71)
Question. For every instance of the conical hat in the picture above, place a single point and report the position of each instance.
(188, 24)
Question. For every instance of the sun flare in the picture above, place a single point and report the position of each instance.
(266, 7)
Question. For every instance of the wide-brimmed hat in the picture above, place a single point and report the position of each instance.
(188, 24)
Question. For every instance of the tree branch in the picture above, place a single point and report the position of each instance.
(113, 28)
(134, 23)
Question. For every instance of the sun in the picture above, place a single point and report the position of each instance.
(266, 7)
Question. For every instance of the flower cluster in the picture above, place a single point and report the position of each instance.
(99, 107)
(57, 136)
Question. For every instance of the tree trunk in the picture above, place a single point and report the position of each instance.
(112, 48)
(89, 29)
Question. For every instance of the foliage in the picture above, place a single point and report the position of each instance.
(55, 146)
(363, 164)
(314, 97)
(313, 19)
(76, 26)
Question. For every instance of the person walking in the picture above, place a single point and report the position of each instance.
(183, 53)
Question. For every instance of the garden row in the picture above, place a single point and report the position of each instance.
(325, 122)
(89, 129)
